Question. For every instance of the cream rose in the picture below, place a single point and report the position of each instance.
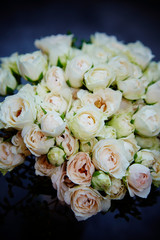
(99, 77)
(36, 141)
(139, 180)
(107, 100)
(18, 142)
(43, 167)
(52, 124)
(69, 143)
(86, 202)
(87, 122)
(61, 182)
(147, 120)
(131, 146)
(80, 168)
(150, 159)
(58, 102)
(109, 156)
(55, 79)
(9, 157)
(76, 68)
(18, 110)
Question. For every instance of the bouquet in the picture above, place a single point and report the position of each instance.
(88, 114)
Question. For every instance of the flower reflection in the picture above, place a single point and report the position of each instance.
(34, 196)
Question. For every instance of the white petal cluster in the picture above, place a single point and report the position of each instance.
(89, 115)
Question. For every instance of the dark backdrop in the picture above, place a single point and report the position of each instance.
(21, 22)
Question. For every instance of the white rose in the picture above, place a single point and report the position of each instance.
(80, 168)
(10, 63)
(8, 82)
(107, 132)
(86, 202)
(87, 122)
(69, 143)
(110, 43)
(98, 54)
(153, 93)
(36, 141)
(101, 39)
(43, 167)
(32, 66)
(47, 43)
(55, 79)
(107, 100)
(99, 77)
(131, 146)
(109, 156)
(122, 123)
(76, 68)
(19, 110)
(152, 72)
(52, 124)
(139, 180)
(132, 88)
(148, 142)
(58, 54)
(121, 66)
(147, 120)
(9, 158)
(139, 54)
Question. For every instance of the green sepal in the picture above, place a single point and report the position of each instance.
(9, 91)
(68, 83)
(36, 81)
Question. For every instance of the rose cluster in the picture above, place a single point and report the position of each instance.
(90, 115)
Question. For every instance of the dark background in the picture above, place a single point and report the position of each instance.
(25, 215)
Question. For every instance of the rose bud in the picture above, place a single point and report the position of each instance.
(56, 156)
(100, 181)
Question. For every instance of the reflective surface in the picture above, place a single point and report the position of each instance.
(28, 204)
(29, 207)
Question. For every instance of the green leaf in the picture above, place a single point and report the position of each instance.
(89, 144)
